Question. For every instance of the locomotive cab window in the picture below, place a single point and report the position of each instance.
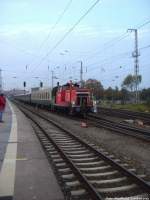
(82, 99)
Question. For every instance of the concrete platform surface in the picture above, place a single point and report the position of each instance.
(5, 133)
(25, 172)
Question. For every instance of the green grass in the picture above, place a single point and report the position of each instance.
(134, 107)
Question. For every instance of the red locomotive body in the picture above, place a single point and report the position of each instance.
(73, 98)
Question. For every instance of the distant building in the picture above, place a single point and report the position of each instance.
(14, 92)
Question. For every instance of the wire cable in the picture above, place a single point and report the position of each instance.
(144, 24)
(57, 22)
(148, 46)
(117, 39)
(53, 27)
(67, 33)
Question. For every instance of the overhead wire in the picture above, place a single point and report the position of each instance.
(70, 30)
(124, 36)
(67, 33)
(57, 22)
(46, 39)
(118, 55)
(112, 42)
(54, 26)
(145, 47)
(127, 70)
(144, 24)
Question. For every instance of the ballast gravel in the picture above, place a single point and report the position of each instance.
(134, 151)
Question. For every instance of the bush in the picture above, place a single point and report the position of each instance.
(148, 102)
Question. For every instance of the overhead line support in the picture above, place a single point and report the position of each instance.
(135, 55)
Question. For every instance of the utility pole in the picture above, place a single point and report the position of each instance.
(81, 74)
(48, 77)
(52, 78)
(1, 80)
(135, 55)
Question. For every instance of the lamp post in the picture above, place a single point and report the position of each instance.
(81, 72)
(112, 93)
(14, 83)
(113, 97)
(53, 77)
(64, 53)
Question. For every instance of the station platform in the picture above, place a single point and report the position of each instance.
(25, 172)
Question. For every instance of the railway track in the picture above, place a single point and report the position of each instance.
(84, 171)
(145, 117)
(119, 127)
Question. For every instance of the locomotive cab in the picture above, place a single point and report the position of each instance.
(73, 98)
(83, 101)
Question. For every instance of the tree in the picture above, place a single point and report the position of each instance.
(109, 93)
(130, 81)
(116, 93)
(145, 95)
(96, 87)
(124, 95)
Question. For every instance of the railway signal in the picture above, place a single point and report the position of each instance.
(41, 84)
(24, 85)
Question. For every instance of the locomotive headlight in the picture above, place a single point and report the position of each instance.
(73, 102)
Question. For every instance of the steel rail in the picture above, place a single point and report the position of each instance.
(139, 181)
(91, 190)
(121, 128)
(126, 113)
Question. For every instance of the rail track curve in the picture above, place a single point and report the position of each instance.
(85, 171)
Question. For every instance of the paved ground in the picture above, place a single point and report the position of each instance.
(5, 132)
(25, 172)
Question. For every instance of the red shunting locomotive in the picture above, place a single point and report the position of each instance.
(71, 97)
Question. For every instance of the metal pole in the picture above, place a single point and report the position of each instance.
(48, 77)
(135, 54)
(52, 78)
(81, 74)
(136, 66)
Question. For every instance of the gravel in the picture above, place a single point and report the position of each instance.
(129, 149)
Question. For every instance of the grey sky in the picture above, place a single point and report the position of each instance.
(26, 24)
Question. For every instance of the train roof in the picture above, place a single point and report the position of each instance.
(41, 90)
(18, 95)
